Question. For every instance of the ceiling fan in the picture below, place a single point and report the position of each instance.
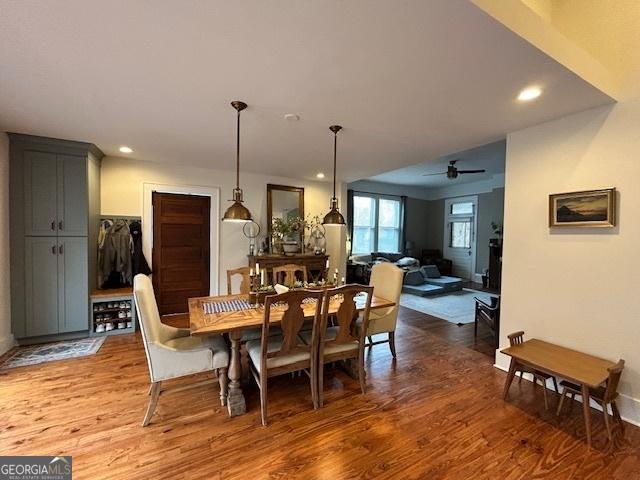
(452, 172)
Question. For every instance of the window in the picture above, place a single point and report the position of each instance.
(465, 208)
(377, 223)
(460, 234)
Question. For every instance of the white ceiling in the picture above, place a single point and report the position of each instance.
(490, 157)
(409, 80)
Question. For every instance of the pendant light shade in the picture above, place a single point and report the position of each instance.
(334, 217)
(237, 212)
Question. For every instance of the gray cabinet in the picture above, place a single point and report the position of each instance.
(55, 212)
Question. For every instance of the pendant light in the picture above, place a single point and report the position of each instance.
(334, 217)
(237, 212)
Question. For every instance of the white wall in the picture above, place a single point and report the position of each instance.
(121, 194)
(576, 287)
(6, 339)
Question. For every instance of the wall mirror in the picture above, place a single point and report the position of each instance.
(285, 203)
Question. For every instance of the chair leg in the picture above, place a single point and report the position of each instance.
(520, 381)
(392, 343)
(573, 400)
(475, 327)
(370, 338)
(320, 384)
(361, 372)
(224, 381)
(616, 414)
(555, 385)
(313, 378)
(263, 399)
(153, 401)
(562, 397)
(605, 412)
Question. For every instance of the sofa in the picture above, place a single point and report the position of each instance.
(359, 266)
(434, 257)
(427, 280)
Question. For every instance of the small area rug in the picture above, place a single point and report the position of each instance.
(48, 352)
(455, 307)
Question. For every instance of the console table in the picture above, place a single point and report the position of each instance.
(316, 264)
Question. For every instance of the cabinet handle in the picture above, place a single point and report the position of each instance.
(53, 225)
(53, 250)
(60, 225)
(61, 249)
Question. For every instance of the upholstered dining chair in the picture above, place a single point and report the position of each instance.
(344, 340)
(286, 353)
(386, 280)
(517, 338)
(245, 283)
(286, 274)
(172, 354)
(606, 395)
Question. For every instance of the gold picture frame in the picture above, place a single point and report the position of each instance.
(588, 208)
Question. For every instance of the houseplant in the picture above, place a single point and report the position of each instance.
(288, 233)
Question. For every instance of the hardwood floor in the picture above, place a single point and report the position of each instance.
(435, 413)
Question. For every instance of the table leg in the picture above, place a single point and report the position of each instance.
(235, 400)
(510, 375)
(587, 412)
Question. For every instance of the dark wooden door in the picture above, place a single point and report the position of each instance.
(181, 250)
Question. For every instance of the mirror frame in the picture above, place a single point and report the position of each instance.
(284, 188)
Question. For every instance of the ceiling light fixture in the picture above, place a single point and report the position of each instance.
(334, 217)
(237, 212)
(125, 149)
(529, 93)
(292, 117)
(319, 175)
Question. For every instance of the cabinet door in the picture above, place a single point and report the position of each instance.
(73, 293)
(72, 196)
(40, 190)
(41, 285)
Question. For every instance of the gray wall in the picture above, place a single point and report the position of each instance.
(490, 209)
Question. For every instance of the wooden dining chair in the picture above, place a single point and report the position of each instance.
(245, 283)
(605, 395)
(517, 338)
(344, 340)
(286, 274)
(286, 353)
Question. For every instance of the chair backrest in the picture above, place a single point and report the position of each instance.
(615, 373)
(347, 314)
(245, 283)
(516, 338)
(291, 309)
(386, 279)
(153, 330)
(286, 274)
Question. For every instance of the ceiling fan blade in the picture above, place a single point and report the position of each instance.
(430, 174)
(471, 171)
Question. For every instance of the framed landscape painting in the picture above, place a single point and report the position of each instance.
(591, 208)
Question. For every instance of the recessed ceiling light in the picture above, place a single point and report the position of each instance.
(292, 117)
(319, 175)
(125, 149)
(529, 93)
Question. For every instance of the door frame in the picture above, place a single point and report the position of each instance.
(474, 231)
(214, 228)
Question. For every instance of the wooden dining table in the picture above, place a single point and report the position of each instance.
(577, 367)
(234, 322)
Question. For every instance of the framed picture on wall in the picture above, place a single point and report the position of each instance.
(590, 208)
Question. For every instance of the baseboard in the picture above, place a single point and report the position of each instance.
(629, 407)
(6, 344)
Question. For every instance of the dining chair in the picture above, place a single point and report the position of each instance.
(490, 315)
(171, 354)
(286, 274)
(286, 353)
(245, 283)
(343, 341)
(605, 395)
(517, 338)
(386, 280)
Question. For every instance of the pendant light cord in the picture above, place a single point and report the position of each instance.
(335, 149)
(238, 155)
